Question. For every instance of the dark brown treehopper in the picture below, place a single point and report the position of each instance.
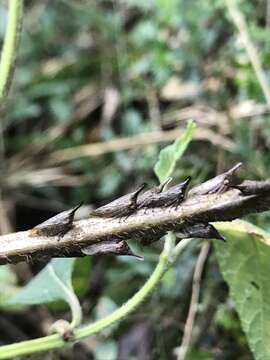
(183, 231)
(176, 194)
(201, 230)
(58, 225)
(218, 184)
(173, 196)
(110, 247)
(150, 198)
(121, 207)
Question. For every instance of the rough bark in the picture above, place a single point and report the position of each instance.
(144, 225)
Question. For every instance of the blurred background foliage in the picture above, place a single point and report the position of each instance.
(99, 87)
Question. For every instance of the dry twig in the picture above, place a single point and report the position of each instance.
(196, 285)
(142, 225)
(240, 23)
(138, 141)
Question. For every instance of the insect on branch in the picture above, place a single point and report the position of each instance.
(143, 216)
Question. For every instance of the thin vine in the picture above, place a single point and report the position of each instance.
(10, 46)
(166, 259)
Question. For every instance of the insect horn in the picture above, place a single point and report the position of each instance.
(137, 192)
(234, 168)
(164, 184)
(76, 207)
(229, 175)
(72, 212)
(181, 191)
(185, 183)
(214, 233)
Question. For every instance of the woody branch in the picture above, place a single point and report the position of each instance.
(231, 204)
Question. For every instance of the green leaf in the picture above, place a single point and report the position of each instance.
(106, 350)
(8, 282)
(52, 283)
(105, 307)
(245, 264)
(171, 153)
(195, 354)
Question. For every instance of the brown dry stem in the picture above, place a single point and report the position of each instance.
(152, 224)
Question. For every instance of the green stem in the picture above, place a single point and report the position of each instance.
(131, 304)
(166, 259)
(55, 341)
(76, 311)
(75, 307)
(10, 45)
